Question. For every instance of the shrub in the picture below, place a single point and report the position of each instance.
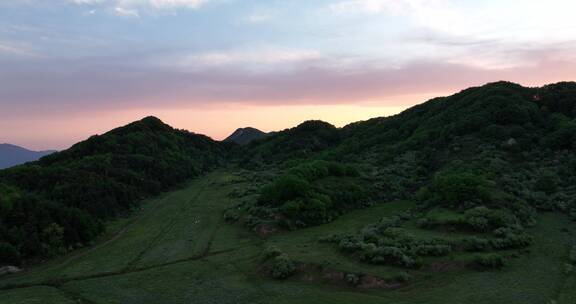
(489, 261)
(476, 244)
(286, 188)
(302, 201)
(352, 279)
(512, 241)
(272, 252)
(478, 223)
(370, 234)
(388, 222)
(349, 244)
(283, 267)
(456, 189)
(403, 277)
(433, 250)
(483, 219)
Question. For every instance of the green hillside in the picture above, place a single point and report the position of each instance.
(469, 198)
(57, 204)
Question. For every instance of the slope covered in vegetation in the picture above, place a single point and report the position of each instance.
(56, 204)
(481, 164)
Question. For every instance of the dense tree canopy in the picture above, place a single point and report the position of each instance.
(58, 203)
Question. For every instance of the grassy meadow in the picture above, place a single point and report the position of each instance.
(178, 249)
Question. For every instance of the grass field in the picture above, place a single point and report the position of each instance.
(178, 249)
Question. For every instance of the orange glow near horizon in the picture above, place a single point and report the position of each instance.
(218, 123)
(85, 67)
(61, 130)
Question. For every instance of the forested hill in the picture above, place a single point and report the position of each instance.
(58, 203)
(533, 117)
(502, 146)
(494, 113)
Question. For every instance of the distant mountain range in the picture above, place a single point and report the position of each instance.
(244, 136)
(11, 155)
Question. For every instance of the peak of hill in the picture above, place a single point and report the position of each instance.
(312, 126)
(12, 155)
(301, 141)
(243, 136)
(149, 123)
(147, 136)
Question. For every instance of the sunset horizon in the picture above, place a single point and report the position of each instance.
(75, 68)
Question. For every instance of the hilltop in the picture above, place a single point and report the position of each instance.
(244, 136)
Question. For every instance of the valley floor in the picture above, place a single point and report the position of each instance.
(178, 249)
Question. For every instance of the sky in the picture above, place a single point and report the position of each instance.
(73, 68)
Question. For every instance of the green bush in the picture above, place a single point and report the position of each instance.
(475, 243)
(489, 261)
(352, 279)
(282, 267)
(285, 188)
(272, 252)
(349, 244)
(483, 219)
(302, 200)
(456, 190)
(433, 250)
(403, 277)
